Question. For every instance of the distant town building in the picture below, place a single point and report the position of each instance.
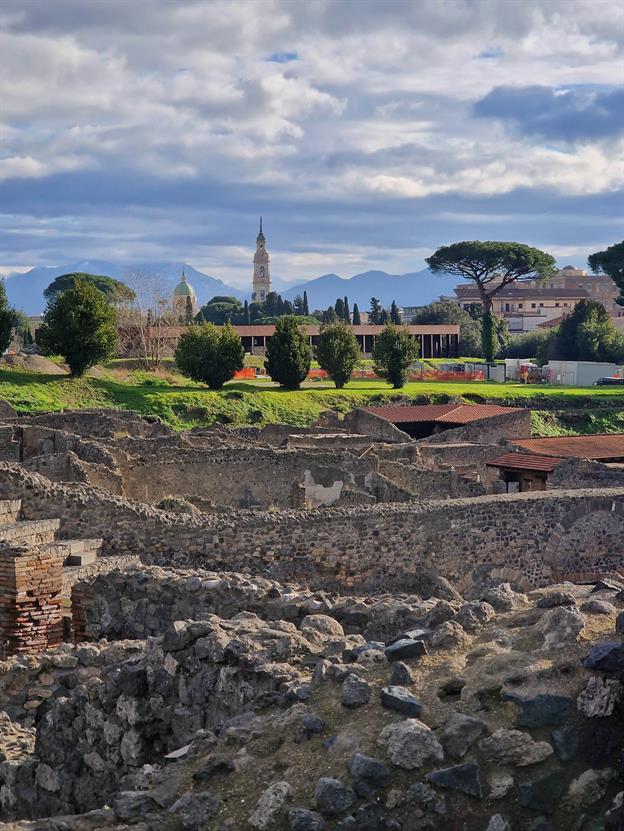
(184, 298)
(261, 284)
(539, 303)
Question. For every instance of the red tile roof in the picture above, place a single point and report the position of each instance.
(444, 413)
(603, 446)
(522, 461)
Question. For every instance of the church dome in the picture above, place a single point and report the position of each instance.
(184, 288)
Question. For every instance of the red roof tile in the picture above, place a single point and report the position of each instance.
(522, 461)
(445, 413)
(603, 446)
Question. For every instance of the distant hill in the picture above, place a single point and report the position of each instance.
(25, 291)
(414, 289)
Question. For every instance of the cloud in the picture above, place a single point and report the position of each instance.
(575, 114)
(356, 129)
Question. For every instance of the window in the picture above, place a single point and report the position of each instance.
(541, 305)
(519, 305)
(532, 305)
(557, 305)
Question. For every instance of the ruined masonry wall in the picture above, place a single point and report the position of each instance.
(376, 547)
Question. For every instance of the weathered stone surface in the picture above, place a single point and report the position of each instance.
(195, 810)
(428, 798)
(599, 697)
(513, 747)
(355, 691)
(410, 744)
(605, 657)
(464, 778)
(301, 819)
(405, 648)
(400, 675)
(503, 598)
(332, 797)
(369, 775)
(501, 783)
(449, 635)
(132, 804)
(558, 598)
(541, 710)
(321, 624)
(589, 787)
(472, 616)
(271, 805)
(561, 627)
(498, 823)
(460, 732)
(598, 607)
(541, 794)
(401, 700)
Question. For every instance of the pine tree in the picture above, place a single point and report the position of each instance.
(298, 305)
(395, 317)
(384, 317)
(347, 313)
(339, 308)
(306, 308)
(357, 320)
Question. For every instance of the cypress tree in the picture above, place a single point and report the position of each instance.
(246, 316)
(357, 320)
(395, 317)
(339, 308)
(306, 308)
(288, 353)
(347, 313)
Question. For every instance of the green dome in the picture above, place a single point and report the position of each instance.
(184, 289)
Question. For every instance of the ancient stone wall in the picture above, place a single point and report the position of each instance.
(431, 484)
(376, 428)
(514, 425)
(103, 423)
(583, 473)
(514, 537)
(244, 477)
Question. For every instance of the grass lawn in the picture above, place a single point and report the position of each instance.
(182, 403)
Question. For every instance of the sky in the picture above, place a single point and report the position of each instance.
(366, 132)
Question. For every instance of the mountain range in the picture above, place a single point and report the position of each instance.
(158, 279)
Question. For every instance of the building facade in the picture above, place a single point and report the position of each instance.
(536, 303)
(261, 284)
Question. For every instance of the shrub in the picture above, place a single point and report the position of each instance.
(394, 351)
(288, 353)
(7, 318)
(81, 325)
(337, 352)
(210, 354)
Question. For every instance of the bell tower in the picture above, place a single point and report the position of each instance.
(261, 284)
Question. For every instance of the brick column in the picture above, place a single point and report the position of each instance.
(31, 583)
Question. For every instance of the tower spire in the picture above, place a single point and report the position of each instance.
(260, 223)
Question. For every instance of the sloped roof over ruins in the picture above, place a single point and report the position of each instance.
(524, 461)
(605, 446)
(444, 413)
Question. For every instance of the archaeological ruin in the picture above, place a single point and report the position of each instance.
(343, 627)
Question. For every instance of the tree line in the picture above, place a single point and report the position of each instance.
(213, 354)
(81, 319)
(222, 309)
